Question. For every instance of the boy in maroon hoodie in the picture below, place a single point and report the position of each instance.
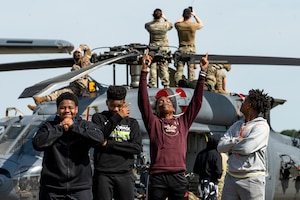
(168, 136)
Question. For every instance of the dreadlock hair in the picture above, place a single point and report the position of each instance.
(66, 96)
(115, 92)
(260, 101)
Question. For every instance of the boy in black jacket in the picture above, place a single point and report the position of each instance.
(208, 165)
(114, 160)
(66, 141)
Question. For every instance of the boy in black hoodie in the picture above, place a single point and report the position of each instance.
(66, 141)
(114, 160)
(208, 165)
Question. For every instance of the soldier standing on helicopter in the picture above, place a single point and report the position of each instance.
(186, 34)
(216, 78)
(158, 38)
(80, 86)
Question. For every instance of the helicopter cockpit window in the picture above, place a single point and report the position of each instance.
(9, 138)
(14, 137)
(26, 141)
(23, 143)
(2, 129)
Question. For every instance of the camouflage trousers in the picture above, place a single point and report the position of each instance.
(163, 73)
(220, 76)
(180, 65)
(72, 88)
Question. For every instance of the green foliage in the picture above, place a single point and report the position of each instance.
(292, 133)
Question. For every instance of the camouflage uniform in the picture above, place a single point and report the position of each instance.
(186, 33)
(158, 38)
(215, 77)
(211, 80)
(80, 86)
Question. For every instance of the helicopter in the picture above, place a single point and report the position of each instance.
(20, 164)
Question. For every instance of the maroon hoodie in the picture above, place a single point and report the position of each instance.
(168, 137)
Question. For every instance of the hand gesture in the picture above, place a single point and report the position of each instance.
(146, 61)
(124, 110)
(204, 63)
(66, 123)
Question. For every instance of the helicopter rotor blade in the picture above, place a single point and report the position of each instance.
(34, 46)
(40, 64)
(48, 84)
(243, 60)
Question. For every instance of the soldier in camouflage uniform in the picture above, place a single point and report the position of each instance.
(186, 33)
(216, 78)
(158, 29)
(78, 87)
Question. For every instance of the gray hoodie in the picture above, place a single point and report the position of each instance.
(246, 144)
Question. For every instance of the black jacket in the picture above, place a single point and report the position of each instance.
(124, 140)
(208, 163)
(66, 161)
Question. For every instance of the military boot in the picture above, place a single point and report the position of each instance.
(31, 107)
(219, 89)
(227, 67)
(39, 100)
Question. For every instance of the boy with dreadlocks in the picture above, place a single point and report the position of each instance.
(246, 143)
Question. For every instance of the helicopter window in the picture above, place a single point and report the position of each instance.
(9, 138)
(20, 141)
(23, 143)
(2, 129)
(27, 141)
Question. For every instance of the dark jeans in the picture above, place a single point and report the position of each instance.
(52, 194)
(171, 185)
(119, 187)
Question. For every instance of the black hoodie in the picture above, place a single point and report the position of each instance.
(66, 161)
(208, 163)
(124, 140)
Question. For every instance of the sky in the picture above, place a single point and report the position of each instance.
(231, 27)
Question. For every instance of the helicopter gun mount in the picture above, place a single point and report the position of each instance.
(157, 54)
(134, 63)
